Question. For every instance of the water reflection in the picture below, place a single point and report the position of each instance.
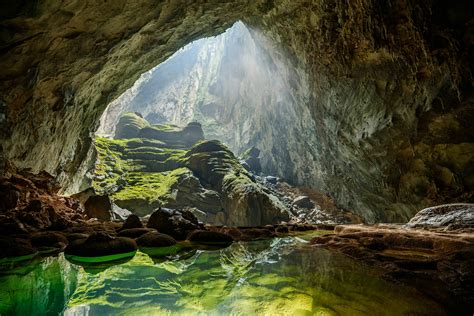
(275, 277)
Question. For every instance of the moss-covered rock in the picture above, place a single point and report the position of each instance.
(129, 125)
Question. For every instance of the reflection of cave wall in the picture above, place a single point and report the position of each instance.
(372, 70)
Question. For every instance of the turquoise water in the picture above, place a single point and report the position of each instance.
(283, 276)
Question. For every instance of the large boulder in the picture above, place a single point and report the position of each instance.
(16, 248)
(173, 222)
(210, 237)
(303, 201)
(155, 239)
(447, 217)
(133, 221)
(101, 244)
(134, 232)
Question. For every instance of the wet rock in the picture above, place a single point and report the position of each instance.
(256, 234)
(155, 239)
(447, 217)
(210, 237)
(99, 206)
(15, 247)
(101, 244)
(49, 239)
(133, 221)
(411, 256)
(76, 236)
(134, 232)
(303, 202)
(173, 222)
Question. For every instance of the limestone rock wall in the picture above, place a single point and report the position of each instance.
(378, 79)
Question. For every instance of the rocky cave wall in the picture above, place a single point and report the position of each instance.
(389, 87)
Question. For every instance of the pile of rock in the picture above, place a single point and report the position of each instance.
(30, 202)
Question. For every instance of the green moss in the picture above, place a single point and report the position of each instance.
(130, 125)
(149, 186)
(165, 127)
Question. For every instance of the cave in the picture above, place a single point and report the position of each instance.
(252, 157)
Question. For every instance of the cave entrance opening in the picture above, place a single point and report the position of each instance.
(231, 88)
(233, 84)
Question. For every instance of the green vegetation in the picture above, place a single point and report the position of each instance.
(150, 186)
(130, 125)
(138, 174)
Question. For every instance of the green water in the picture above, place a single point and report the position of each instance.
(283, 276)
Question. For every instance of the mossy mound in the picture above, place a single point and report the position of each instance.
(174, 167)
(129, 125)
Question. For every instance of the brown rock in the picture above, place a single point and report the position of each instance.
(49, 239)
(99, 207)
(101, 244)
(134, 232)
(133, 221)
(155, 239)
(210, 237)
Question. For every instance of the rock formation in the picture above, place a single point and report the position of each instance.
(384, 88)
(174, 167)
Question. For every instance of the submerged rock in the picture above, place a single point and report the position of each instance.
(101, 244)
(447, 216)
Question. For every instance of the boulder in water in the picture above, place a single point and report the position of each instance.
(155, 239)
(134, 232)
(49, 240)
(101, 245)
(210, 237)
(16, 249)
(173, 222)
